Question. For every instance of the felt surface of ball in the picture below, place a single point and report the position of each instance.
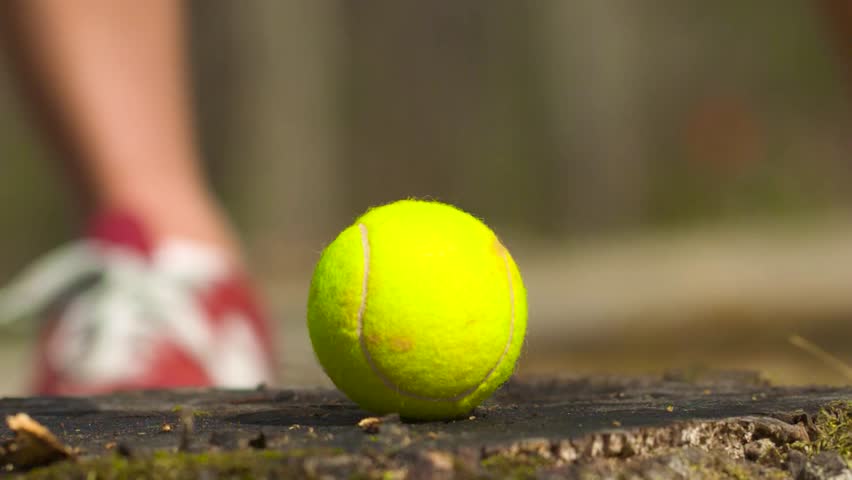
(417, 308)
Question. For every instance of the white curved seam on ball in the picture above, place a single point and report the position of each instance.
(365, 245)
(505, 255)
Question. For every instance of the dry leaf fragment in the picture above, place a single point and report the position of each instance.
(34, 445)
(370, 424)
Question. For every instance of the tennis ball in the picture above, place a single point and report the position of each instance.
(417, 308)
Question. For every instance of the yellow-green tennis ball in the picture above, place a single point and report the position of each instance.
(417, 308)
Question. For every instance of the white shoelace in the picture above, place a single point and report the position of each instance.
(106, 330)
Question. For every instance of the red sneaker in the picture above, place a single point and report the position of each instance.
(124, 314)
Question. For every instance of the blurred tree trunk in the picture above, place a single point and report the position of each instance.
(267, 95)
(39, 206)
(593, 68)
(441, 103)
(413, 94)
(839, 19)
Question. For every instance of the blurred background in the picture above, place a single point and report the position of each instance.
(672, 176)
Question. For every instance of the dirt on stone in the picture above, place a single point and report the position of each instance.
(728, 426)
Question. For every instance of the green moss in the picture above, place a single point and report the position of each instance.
(514, 467)
(170, 465)
(716, 468)
(736, 471)
(833, 425)
(834, 430)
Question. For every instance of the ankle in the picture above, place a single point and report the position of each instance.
(190, 219)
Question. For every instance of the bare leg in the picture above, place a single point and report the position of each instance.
(114, 79)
